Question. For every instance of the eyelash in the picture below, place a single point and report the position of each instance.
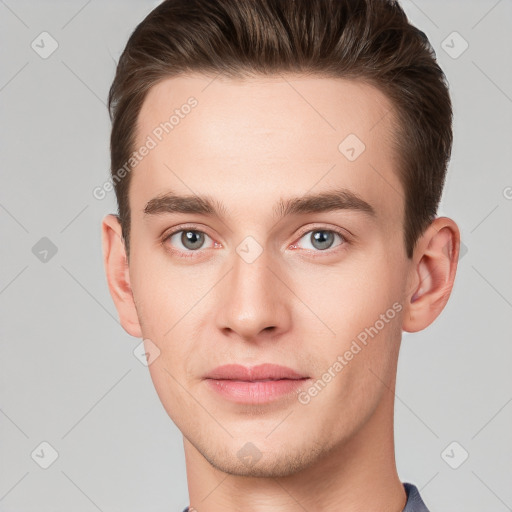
(191, 254)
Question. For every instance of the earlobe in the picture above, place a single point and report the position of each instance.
(432, 275)
(117, 273)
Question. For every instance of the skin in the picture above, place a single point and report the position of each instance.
(249, 144)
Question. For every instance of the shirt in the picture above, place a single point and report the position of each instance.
(414, 501)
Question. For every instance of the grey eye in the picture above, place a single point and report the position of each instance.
(188, 239)
(321, 239)
(192, 239)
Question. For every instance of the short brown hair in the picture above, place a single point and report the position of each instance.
(368, 40)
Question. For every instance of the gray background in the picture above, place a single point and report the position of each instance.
(68, 375)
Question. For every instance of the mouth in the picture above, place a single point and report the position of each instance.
(254, 385)
(260, 373)
(259, 380)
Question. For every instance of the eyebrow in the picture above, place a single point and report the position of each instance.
(338, 199)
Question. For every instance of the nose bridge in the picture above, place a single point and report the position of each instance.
(252, 299)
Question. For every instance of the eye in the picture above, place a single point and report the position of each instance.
(187, 240)
(322, 239)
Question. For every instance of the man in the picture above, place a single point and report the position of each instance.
(278, 167)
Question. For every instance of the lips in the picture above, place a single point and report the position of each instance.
(255, 385)
(259, 373)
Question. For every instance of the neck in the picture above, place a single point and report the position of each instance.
(357, 476)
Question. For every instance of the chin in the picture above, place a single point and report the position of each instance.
(271, 462)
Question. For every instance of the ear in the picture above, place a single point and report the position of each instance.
(432, 274)
(118, 277)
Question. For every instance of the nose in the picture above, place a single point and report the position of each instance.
(252, 301)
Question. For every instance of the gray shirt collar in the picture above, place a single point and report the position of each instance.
(414, 501)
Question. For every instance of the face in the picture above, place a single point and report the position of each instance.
(294, 256)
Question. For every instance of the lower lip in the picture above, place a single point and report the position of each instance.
(257, 392)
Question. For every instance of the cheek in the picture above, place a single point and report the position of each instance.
(170, 309)
(163, 292)
(348, 297)
(358, 319)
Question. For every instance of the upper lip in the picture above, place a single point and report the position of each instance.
(253, 373)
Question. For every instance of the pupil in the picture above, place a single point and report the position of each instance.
(192, 239)
(322, 239)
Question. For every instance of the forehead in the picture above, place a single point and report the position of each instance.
(266, 136)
